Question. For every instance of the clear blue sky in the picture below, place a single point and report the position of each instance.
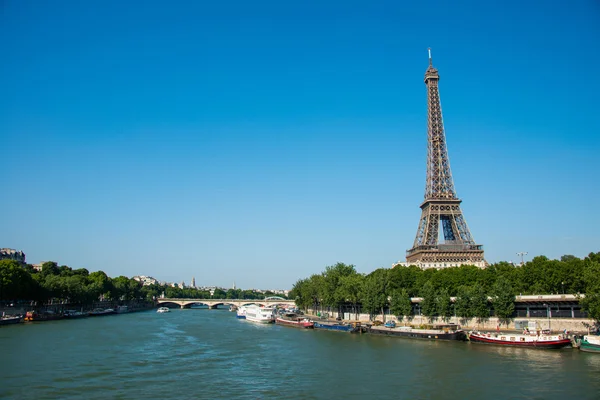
(262, 141)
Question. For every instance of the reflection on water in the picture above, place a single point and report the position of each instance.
(591, 360)
(533, 356)
(211, 354)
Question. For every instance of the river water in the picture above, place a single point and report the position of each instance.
(209, 354)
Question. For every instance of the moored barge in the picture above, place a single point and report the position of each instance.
(44, 316)
(531, 340)
(590, 344)
(10, 319)
(429, 332)
(354, 327)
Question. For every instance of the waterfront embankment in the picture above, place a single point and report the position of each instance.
(573, 325)
(58, 308)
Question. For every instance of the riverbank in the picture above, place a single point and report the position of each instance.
(573, 325)
(60, 308)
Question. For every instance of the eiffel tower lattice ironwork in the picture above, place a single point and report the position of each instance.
(441, 205)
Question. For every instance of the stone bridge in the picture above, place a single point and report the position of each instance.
(213, 303)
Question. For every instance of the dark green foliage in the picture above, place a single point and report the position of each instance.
(375, 291)
(464, 309)
(479, 303)
(591, 278)
(503, 299)
(400, 304)
(444, 306)
(429, 302)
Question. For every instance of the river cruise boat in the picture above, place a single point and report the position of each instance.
(353, 327)
(162, 310)
(590, 344)
(261, 315)
(428, 332)
(533, 340)
(241, 312)
(294, 321)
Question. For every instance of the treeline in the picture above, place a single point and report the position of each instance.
(340, 285)
(55, 283)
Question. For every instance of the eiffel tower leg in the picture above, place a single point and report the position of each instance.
(427, 232)
(433, 225)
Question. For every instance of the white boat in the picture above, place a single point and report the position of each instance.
(163, 310)
(241, 312)
(122, 309)
(262, 315)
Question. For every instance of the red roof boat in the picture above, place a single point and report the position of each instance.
(295, 321)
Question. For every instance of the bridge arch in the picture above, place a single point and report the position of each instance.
(169, 303)
(189, 304)
(223, 303)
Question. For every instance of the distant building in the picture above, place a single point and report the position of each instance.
(38, 267)
(193, 284)
(439, 265)
(146, 280)
(12, 254)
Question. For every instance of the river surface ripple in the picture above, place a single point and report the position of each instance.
(209, 354)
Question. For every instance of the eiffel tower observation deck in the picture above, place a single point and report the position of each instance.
(441, 205)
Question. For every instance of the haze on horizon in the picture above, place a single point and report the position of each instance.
(261, 142)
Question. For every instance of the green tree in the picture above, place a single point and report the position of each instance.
(444, 306)
(124, 288)
(49, 268)
(591, 276)
(503, 300)
(332, 295)
(15, 282)
(374, 291)
(464, 309)
(428, 302)
(479, 304)
(351, 289)
(400, 304)
(99, 285)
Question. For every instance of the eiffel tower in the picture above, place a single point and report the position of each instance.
(441, 204)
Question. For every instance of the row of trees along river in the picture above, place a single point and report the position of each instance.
(340, 285)
(62, 284)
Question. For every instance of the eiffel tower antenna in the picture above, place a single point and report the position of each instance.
(441, 205)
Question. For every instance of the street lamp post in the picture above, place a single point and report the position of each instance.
(522, 254)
